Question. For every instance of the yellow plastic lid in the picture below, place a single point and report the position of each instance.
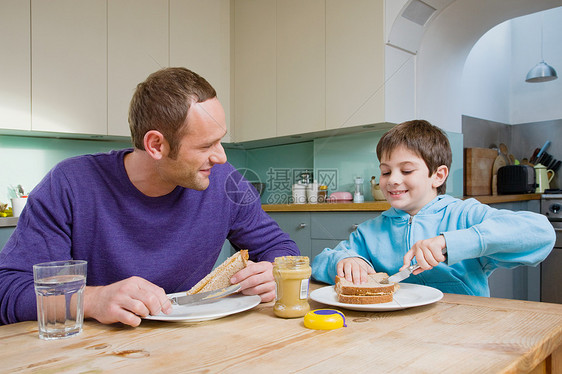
(324, 319)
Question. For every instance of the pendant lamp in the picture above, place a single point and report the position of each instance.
(542, 72)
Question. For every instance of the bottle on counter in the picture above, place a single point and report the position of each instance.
(292, 274)
(322, 193)
(358, 195)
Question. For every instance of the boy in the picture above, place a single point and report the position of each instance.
(457, 243)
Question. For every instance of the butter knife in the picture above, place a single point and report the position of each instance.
(403, 274)
(202, 297)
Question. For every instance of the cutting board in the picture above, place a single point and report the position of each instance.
(478, 163)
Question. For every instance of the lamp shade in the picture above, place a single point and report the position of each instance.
(542, 72)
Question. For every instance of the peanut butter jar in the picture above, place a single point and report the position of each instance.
(292, 274)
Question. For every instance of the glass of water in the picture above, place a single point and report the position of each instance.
(59, 288)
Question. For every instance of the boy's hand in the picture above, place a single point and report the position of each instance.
(428, 253)
(354, 269)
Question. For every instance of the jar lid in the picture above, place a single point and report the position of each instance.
(324, 319)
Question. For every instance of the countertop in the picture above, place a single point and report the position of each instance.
(382, 205)
(372, 206)
(459, 334)
(8, 221)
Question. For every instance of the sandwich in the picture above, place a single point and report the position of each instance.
(372, 292)
(220, 276)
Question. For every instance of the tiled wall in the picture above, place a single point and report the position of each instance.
(334, 161)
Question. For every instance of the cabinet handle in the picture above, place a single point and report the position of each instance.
(302, 225)
(354, 227)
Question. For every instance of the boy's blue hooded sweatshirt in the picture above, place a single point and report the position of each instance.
(479, 239)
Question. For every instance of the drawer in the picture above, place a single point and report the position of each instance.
(337, 225)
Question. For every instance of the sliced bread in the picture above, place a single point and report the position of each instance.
(220, 276)
(371, 292)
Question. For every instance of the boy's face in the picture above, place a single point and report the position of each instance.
(405, 180)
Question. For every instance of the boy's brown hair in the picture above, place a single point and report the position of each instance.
(161, 103)
(421, 137)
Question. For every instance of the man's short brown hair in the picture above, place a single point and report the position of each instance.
(162, 102)
(421, 137)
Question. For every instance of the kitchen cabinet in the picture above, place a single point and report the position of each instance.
(314, 231)
(15, 65)
(355, 93)
(297, 225)
(200, 41)
(302, 67)
(301, 74)
(78, 62)
(137, 46)
(69, 66)
(255, 104)
(5, 233)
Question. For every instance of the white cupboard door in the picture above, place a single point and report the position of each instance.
(69, 66)
(301, 81)
(200, 41)
(255, 98)
(137, 46)
(15, 65)
(354, 63)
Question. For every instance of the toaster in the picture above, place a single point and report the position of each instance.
(516, 179)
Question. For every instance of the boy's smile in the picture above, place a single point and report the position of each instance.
(405, 180)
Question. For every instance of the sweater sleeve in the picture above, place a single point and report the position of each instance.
(253, 229)
(41, 235)
(506, 238)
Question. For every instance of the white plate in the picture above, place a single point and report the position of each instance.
(407, 296)
(203, 312)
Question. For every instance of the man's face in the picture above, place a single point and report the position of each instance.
(199, 149)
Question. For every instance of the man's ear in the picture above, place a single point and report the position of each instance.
(440, 176)
(156, 145)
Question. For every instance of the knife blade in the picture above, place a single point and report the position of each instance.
(205, 296)
(401, 275)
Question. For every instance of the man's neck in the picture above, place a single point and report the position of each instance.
(141, 170)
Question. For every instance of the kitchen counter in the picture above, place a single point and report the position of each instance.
(460, 334)
(8, 221)
(375, 206)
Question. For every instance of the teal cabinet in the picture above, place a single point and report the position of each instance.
(314, 231)
(5, 233)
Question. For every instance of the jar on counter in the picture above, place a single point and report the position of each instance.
(292, 274)
(322, 193)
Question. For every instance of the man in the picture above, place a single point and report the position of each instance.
(149, 221)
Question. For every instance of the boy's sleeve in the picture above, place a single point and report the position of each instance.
(507, 238)
(324, 266)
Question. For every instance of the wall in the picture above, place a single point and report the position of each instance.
(446, 44)
(534, 102)
(486, 76)
(493, 84)
(26, 160)
(355, 155)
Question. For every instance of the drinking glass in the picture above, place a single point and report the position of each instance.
(59, 289)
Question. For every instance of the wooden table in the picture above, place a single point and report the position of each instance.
(459, 334)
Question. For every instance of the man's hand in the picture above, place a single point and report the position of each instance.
(428, 253)
(354, 269)
(257, 279)
(125, 301)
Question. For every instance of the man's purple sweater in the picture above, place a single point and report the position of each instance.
(86, 208)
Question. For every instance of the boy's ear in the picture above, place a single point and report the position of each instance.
(440, 176)
(156, 145)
